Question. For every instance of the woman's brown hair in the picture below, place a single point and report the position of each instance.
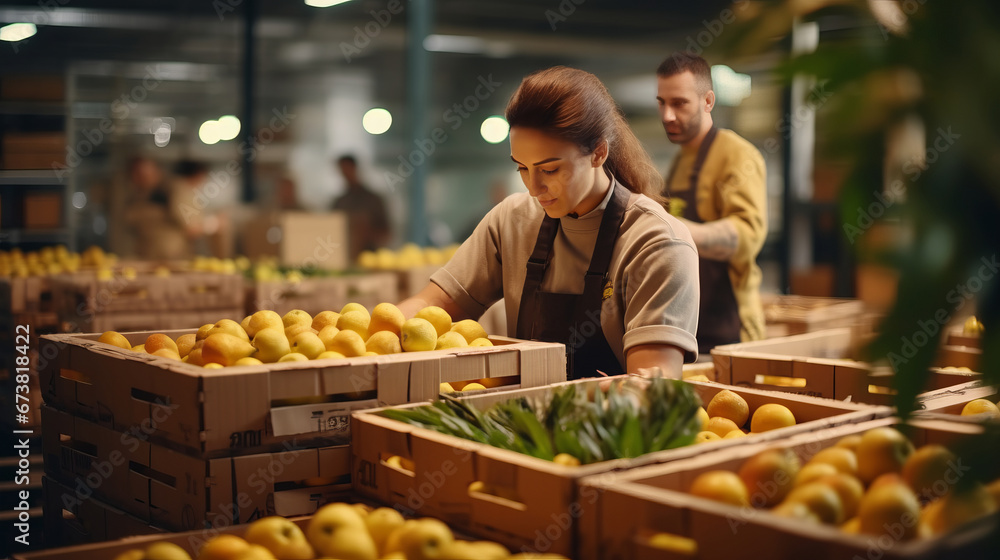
(574, 106)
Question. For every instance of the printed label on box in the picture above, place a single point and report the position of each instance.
(331, 419)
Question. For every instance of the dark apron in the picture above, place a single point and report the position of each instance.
(719, 316)
(574, 319)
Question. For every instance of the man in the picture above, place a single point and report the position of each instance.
(367, 222)
(717, 186)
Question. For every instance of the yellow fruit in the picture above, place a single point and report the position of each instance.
(167, 353)
(225, 349)
(295, 330)
(157, 341)
(821, 499)
(284, 539)
(165, 551)
(703, 415)
(796, 510)
(357, 321)
(141, 348)
(480, 550)
(677, 544)
(721, 486)
(882, 450)
(248, 361)
(383, 343)
(386, 317)
(734, 434)
(423, 539)
(566, 459)
(994, 489)
(213, 365)
(844, 460)
(972, 326)
(981, 406)
(331, 355)
(194, 357)
(338, 531)
(134, 554)
(852, 526)
(353, 307)
(325, 319)
(327, 334)
(450, 339)
(271, 345)
(848, 488)
(418, 335)
(769, 476)
(957, 508)
(293, 357)
(812, 472)
(263, 319)
(470, 329)
(223, 547)
(849, 442)
(437, 317)
(228, 326)
(203, 331)
(888, 506)
(481, 342)
(308, 344)
(771, 416)
(728, 404)
(185, 343)
(925, 471)
(445, 387)
(115, 339)
(245, 323)
(296, 316)
(381, 523)
(704, 436)
(348, 343)
(473, 387)
(721, 426)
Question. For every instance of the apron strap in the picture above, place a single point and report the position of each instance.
(600, 261)
(537, 263)
(699, 162)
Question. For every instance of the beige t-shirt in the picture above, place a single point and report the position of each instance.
(654, 270)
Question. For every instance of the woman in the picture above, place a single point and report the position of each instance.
(586, 257)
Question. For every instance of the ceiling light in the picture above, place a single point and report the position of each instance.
(17, 32)
(494, 129)
(228, 127)
(324, 3)
(209, 132)
(463, 44)
(377, 121)
(730, 87)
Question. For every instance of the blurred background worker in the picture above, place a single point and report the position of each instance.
(717, 186)
(156, 234)
(367, 221)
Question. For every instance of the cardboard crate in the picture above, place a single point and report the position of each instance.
(957, 337)
(947, 403)
(632, 506)
(145, 321)
(548, 499)
(786, 315)
(822, 364)
(219, 412)
(179, 492)
(42, 210)
(25, 295)
(83, 294)
(299, 239)
(317, 294)
(70, 518)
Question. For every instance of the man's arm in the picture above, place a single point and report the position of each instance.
(668, 358)
(716, 240)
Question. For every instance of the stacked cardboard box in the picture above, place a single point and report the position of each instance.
(87, 303)
(541, 501)
(178, 446)
(787, 315)
(25, 314)
(630, 508)
(321, 293)
(826, 364)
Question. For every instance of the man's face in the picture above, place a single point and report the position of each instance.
(682, 107)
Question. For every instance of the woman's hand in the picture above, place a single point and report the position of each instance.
(642, 360)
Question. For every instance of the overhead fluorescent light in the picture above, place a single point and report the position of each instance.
(463, 44)
(17, 32)
(324, 3)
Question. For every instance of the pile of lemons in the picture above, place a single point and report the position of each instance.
(266, 337)
(339, 530)
(49, 261)
(408, 256)
(867, 483)
(728, 413)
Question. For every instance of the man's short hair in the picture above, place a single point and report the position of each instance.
(680, 62)
(347, 159)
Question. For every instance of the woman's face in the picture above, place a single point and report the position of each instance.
(557, 173)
